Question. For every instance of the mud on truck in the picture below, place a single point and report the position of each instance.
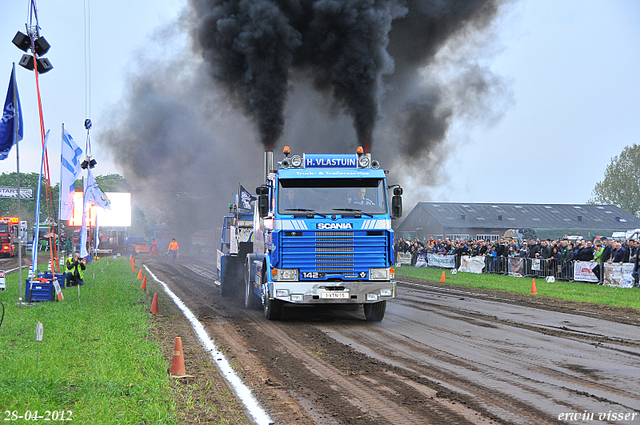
(317, 231)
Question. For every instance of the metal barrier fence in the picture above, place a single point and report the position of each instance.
(560, 270)
(537, 268)
(621, 275)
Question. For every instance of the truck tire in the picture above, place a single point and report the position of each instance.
(374, 312)
(251, 300)
(273, 309)
(228, 282)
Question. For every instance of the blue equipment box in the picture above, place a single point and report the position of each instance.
(40, 291)
(43, 290)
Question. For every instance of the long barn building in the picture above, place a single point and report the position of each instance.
(491, 221)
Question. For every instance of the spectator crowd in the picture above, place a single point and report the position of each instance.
(558, 255)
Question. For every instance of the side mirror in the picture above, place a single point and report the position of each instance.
(396, 206)
(396, 202)
(263, 200)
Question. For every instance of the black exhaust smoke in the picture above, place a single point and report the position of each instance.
(177, 130)
(254, 45)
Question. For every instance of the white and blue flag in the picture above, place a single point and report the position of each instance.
(93, 195)
(70, 160)
(11, 120)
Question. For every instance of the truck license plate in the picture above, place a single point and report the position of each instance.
(335, 295)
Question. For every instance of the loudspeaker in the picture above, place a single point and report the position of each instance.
(26, 62)
(42, 46)
(44, 65)
(22, 41)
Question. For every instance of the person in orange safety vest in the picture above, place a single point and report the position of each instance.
(174, 249)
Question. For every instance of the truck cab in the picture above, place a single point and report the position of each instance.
(12, 231)
(322, 235)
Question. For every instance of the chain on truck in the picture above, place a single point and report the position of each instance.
(318, 231)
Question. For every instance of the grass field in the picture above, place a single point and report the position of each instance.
(96, 362)
(573, 291)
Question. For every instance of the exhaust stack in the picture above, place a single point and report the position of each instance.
(268, 163)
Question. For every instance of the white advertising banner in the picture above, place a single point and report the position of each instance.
(583, 271)
(618, 275)
(470, 264)
(535, 264)
(404, 259)
(422, 260)
(442, 261)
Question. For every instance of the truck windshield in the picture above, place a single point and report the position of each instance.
(4, 227)
(332, 196)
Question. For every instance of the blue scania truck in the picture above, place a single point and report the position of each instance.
(318, 231)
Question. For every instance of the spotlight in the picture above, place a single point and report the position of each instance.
(26, 62)
(22, 41)
(88, 163)
(44, 65)
(41, 45)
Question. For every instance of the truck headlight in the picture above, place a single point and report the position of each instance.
(282, 292)
(379, 274)
(372, 297)
(296, 161)
(363, 161)
(386, 292)
(286, 274)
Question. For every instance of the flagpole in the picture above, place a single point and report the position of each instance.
(60, 196)
(15, 126)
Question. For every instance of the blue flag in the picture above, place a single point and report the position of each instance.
(11, 119)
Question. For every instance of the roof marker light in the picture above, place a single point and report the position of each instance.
(360, 150)
(286, 151)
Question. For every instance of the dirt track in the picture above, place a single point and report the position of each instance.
(440, 356)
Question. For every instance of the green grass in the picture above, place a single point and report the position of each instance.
(96, 359)
(572, 291)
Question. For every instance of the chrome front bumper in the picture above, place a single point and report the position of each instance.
(351, 292)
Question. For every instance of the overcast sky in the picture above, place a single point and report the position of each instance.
(571, 68)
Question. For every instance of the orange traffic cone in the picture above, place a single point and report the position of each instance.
(140, 274)
(533, 287)
(144, 284)
(130, 256)
(177, 369)
(133, 268)
(154, 304)
(442, 279)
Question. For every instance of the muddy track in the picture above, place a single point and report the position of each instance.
(440, 356)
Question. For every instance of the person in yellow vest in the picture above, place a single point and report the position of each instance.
(76, 265)
(174, 249)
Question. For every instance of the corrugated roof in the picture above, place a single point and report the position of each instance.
(494, 215)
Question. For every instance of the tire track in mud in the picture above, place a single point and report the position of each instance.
(436, 358)
(328, 388)
(458, 358)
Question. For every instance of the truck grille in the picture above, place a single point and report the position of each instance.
(339, 252)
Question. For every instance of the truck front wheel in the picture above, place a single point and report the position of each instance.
(374, 312)
(251, 301)
(273, 309)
